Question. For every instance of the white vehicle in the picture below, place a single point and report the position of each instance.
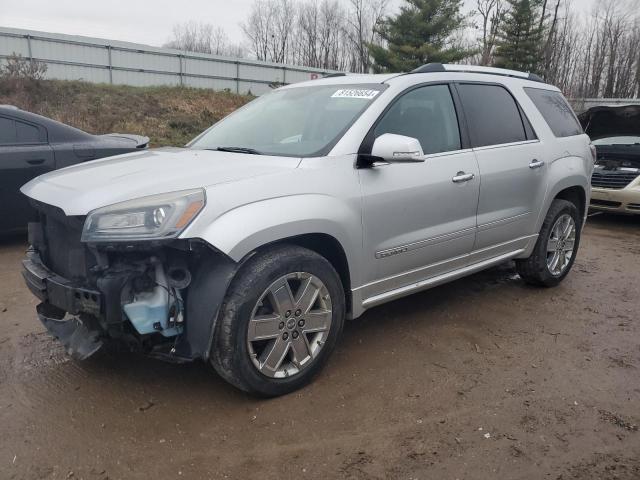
(250, 247)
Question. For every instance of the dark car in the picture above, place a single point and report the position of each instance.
(31, 145)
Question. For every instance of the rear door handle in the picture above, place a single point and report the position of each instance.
(36, 161)
(536, 164)
(462, 177)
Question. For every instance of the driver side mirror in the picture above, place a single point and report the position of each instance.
(392, 148)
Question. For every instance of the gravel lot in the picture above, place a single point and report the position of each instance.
(481, 378)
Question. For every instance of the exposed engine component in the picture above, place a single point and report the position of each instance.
(159, 310)
(178, 277)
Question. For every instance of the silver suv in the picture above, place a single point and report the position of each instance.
(249, 248)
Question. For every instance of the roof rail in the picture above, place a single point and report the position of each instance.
(439, 67)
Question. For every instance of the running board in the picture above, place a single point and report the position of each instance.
(437, 280)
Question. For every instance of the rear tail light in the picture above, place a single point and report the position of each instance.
(594, 152)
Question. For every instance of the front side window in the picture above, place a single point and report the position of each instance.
(556, 111)
(300, 121)
(492, 115)
(426, 113)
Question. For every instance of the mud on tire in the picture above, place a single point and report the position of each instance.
(230, 353)
(534, 270)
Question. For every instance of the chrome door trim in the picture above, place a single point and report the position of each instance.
(424, 243)
(502, 221)
(437, 280)
(449, 260)
(427, 156)
(505, 145)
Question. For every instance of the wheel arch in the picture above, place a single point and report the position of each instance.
(328, 247)
(568, 181)
(576, 195)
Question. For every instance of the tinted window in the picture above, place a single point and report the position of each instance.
(556, 111)
(7, 131)
(27, 133)
(426, 113)
(492, 115)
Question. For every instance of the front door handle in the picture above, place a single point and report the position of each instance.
(536, 164)
(462, 177)
(36, 161)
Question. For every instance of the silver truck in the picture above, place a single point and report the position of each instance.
(251, 246)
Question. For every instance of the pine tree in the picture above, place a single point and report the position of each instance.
(420, 33)
(520, 37)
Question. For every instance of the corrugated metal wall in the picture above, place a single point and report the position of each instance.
(70, 57)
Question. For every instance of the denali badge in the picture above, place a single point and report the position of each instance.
(391, 252)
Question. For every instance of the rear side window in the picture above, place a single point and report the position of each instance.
(492, 114)
(556, 111)
(27, 133)
(7, 131)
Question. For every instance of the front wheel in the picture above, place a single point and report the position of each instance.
(280, 321)
(556, 248)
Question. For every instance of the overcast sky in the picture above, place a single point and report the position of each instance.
(142, 21)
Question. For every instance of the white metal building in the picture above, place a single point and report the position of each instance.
(71, 57)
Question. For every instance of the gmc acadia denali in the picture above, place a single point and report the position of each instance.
(251, 246)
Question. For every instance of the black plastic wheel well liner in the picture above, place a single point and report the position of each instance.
(575, 195)
(331, 249)
(211, 278)
(213, 275)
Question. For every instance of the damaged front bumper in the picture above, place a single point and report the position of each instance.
(59, 296)
(133, 297)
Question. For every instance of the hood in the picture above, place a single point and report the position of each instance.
(602, 122)
(84, 187)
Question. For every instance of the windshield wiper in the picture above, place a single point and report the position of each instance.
(251, 151)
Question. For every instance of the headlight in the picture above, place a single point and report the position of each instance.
(147, 218)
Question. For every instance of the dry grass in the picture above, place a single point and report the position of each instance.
(167, 115)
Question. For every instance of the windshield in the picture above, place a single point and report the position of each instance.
(301, 121)
(617, 141)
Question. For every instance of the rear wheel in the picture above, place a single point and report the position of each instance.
(556, 248)
(280, 321)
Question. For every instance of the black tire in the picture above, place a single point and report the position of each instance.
(230, 353)
(534, 270)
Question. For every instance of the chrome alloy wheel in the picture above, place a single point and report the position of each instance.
(289, 325)
(561, 244)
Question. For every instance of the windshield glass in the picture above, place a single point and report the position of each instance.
(301, 122)
(617, 141)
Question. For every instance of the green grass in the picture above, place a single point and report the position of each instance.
(167, 115)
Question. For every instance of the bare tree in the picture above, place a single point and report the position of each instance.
(16, 67)
(490, 13)
(192, 37)
(595, 55)
(362, 19)
(203, 38)
(329, 34)
(269, 28)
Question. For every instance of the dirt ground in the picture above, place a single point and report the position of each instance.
(482, 378)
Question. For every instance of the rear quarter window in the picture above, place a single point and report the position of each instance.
(556, 111)
(27, 133)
